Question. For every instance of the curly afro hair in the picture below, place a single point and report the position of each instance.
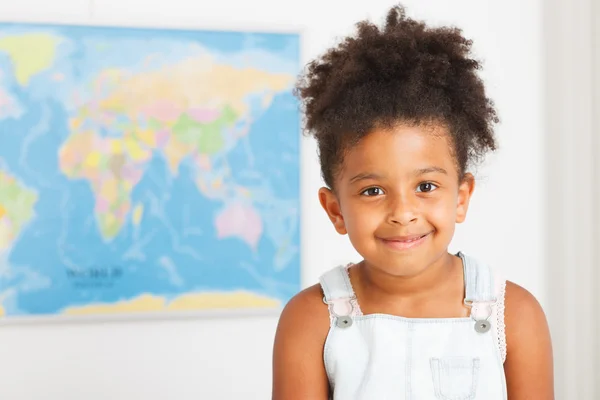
(403, 72)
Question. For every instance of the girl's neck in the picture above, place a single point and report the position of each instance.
(431, 279)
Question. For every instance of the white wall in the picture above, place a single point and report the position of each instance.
(572, 98)
(231, 358)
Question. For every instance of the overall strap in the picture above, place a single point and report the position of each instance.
(336, 285)
(485, 292)
(479, 281)
(480, 293)
(339, 297)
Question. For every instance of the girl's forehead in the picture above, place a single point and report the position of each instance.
(402, 146)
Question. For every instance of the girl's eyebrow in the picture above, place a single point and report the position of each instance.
(364, 176)
(428, 170)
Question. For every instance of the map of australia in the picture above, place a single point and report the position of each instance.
(147, 170)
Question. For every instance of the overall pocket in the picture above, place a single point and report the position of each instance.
(455, 378)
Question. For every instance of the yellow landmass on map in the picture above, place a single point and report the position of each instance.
(175, 152)
(2, 312)
(17, 208)
(220, 84)
(222, 300)
(138, 213)
(147, 137)
(30, 53)
(186, 302)
(6, 235)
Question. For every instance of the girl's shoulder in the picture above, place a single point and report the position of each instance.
(522, 310)
(529, 365)
(298, 366)
(306, 311)
(309, 299)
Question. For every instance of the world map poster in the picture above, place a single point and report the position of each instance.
(147, 170)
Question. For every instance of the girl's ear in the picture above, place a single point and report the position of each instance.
(465, 191)
(331, 205)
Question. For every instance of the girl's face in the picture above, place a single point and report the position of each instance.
(398, 197)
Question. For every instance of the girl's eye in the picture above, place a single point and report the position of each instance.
(426, 187)
(374, 191)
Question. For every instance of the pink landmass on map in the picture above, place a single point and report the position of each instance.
(8, 106)
(203, 115)
(162, 137)
(132, 174)
(5, 101)
(102, 205)
(163, 111)
(202, 161)
(239, 220)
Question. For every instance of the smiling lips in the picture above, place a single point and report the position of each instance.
(404, 242)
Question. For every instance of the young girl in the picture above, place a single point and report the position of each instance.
(399, 114)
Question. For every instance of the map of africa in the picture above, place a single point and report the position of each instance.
(147, 170)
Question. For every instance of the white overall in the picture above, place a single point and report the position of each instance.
(380, 356)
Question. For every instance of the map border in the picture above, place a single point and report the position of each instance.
(156, 24)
